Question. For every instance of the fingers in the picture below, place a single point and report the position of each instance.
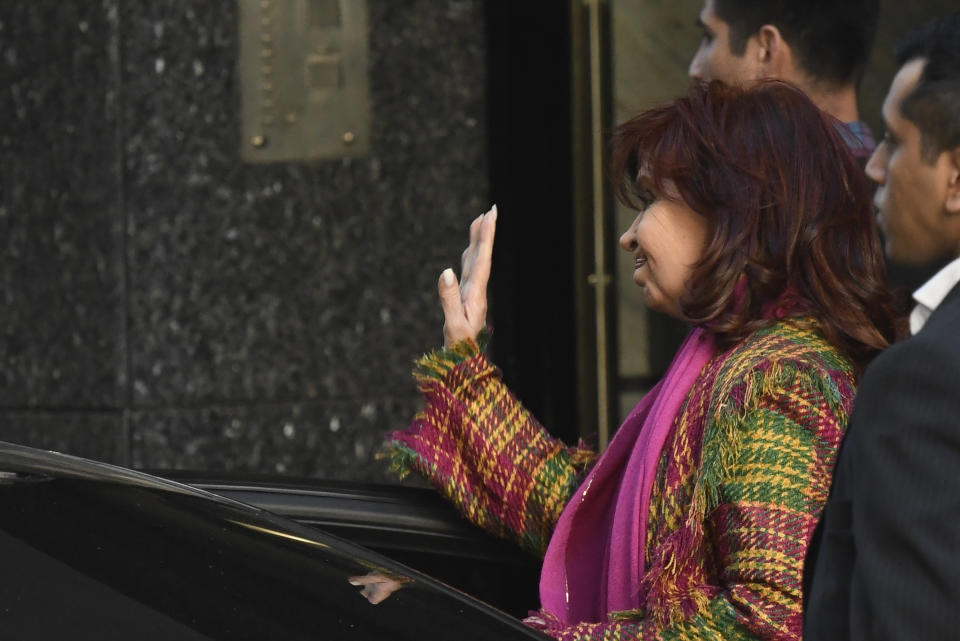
(454, 318)
(480, 272)
(467, 258)
(479, 254)
(465, 303)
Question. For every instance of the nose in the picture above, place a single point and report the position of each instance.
(877, 165)
(695, 71)
(628, 239)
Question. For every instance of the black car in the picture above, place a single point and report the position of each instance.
(94, 551)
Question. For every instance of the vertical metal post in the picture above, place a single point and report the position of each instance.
(599, 279)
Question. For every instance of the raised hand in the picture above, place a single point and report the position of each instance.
(465, 306)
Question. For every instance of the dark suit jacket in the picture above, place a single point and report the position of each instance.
(884, 562)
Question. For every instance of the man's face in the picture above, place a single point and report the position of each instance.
(714, 60)
(912, 195)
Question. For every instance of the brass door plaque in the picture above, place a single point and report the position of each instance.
(303, 74)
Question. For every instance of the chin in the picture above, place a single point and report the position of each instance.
(667, 310)
(907, 255)
(651, 303)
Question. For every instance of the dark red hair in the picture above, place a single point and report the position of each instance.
(789, 211)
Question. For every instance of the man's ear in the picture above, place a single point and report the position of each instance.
(953, 182)
(773, 53)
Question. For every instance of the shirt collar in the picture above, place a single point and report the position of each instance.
(858, 137)
(932, 293)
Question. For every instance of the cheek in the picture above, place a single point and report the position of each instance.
(897, 191)
(674, 249)
(675, 281)
(725, 68)
(669, 272)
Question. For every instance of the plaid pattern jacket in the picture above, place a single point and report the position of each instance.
(742, 480)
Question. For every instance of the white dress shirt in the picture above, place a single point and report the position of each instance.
(932, 293)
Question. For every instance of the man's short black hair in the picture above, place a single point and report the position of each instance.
(832, 39)
(934, 105)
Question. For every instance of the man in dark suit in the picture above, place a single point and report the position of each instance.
(885, 560)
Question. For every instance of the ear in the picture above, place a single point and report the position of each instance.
(773, 53)
(953, 182)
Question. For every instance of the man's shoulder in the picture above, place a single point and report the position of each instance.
(933, 352)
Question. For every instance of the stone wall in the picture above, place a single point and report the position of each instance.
(166, 304)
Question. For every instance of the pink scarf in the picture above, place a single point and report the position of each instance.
(596, 556)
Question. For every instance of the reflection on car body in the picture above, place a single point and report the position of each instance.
(379, 585)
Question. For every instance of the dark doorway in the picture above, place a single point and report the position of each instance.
(532, 295)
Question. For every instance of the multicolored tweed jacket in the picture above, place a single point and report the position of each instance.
(744, 475)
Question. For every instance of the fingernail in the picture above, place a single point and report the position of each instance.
(493, 212)
(447, 277)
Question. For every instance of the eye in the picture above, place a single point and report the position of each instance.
(889, 139)
(645, 198)
(706, 33)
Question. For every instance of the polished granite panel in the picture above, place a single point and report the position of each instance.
(164, 298)
(61, 265)
(93, 435)
(336, 440)
(293, 282)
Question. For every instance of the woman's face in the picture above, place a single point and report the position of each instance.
(667, 238)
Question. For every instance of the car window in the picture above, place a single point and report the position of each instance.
(109, 558)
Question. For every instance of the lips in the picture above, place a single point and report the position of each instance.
(639, 262)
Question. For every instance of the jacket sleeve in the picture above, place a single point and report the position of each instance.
(477, 444)
(775, 462)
